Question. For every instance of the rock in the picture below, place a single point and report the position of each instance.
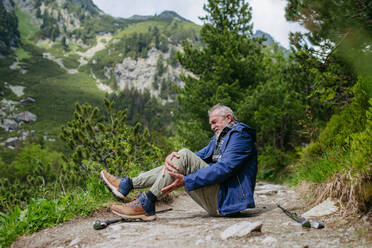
(266, 192)
(291, 223)
(115, 228)
(269, 241)
(8, 105)
(59, 62)
(9, 125)
(241, 229)
(269, 187)
(27, 133)
(26, 117)
(13, 142)
(199, 241)
(325, 208)
(114, 236)
(28, 100)
(74, 242)
(139, 74)
(17, 90)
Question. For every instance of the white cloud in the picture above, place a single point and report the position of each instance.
(268, 15)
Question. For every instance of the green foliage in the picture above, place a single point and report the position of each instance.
(64, 90)
(26, 25)
(22, 54)
(31, 173)
(42, 213)
(332, 19)
(49, 28)
(107, 140)
(9, 34)
(344, 144)
(146, 109)
(344, 27)
(272, 163)
(274, 108)
(351, 120)
(33, 160)
(361, 146)
(319, 169)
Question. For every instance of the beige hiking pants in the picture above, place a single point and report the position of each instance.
(206, 197)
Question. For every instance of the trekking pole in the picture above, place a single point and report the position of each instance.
(304, 222)
(99, 225)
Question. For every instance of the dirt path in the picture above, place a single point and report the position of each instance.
(187, 225)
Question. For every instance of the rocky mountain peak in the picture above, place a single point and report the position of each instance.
(171, 14)
(165, 14)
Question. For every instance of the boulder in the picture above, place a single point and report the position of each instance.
(8, 105)
(9, 124)
(26, 117)
(13, 142)
(325, 208)
(28, 100)
(241, 229)
(269, 241)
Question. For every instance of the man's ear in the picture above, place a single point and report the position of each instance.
(229, 118)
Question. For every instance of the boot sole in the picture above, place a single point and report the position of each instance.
(112, 188)
(133, 217)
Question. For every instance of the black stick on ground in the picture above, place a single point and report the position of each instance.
(99, 225)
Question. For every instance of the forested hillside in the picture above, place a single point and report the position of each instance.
(84, 91)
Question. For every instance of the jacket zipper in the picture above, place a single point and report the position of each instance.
(241, 186)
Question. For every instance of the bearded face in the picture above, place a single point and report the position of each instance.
(218, 121)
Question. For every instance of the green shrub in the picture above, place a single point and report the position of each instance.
(361, 146)
(350, 120)
(318, 169)
(340, 161)
(33, 172)
(35, 161)
(105, 141)
(41, 213)
(272, 163)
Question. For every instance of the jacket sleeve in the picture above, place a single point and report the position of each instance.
(239, 148)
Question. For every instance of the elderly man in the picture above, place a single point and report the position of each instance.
(221, 177)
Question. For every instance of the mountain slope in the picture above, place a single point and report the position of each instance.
(70, 51)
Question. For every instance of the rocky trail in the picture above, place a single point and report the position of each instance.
(188, 225)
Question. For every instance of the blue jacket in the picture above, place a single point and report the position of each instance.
(235, 172)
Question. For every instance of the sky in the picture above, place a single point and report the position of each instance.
(267, 15)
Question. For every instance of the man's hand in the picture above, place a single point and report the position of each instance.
(168, 164)
(179, 181)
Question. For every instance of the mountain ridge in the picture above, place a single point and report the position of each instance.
(67, 51)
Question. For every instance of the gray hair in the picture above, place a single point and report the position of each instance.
(223, 110)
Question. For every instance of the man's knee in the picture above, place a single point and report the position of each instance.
(182, 161)
(184, 152)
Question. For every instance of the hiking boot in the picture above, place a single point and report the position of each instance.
(120, 187)
(141, 208)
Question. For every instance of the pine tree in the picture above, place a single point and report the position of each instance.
(223, 69)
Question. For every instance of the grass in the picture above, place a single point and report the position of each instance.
(43, 213)
(26, 25)
(22, 54)
(318, 170)
(57, 106)
(54, 90)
